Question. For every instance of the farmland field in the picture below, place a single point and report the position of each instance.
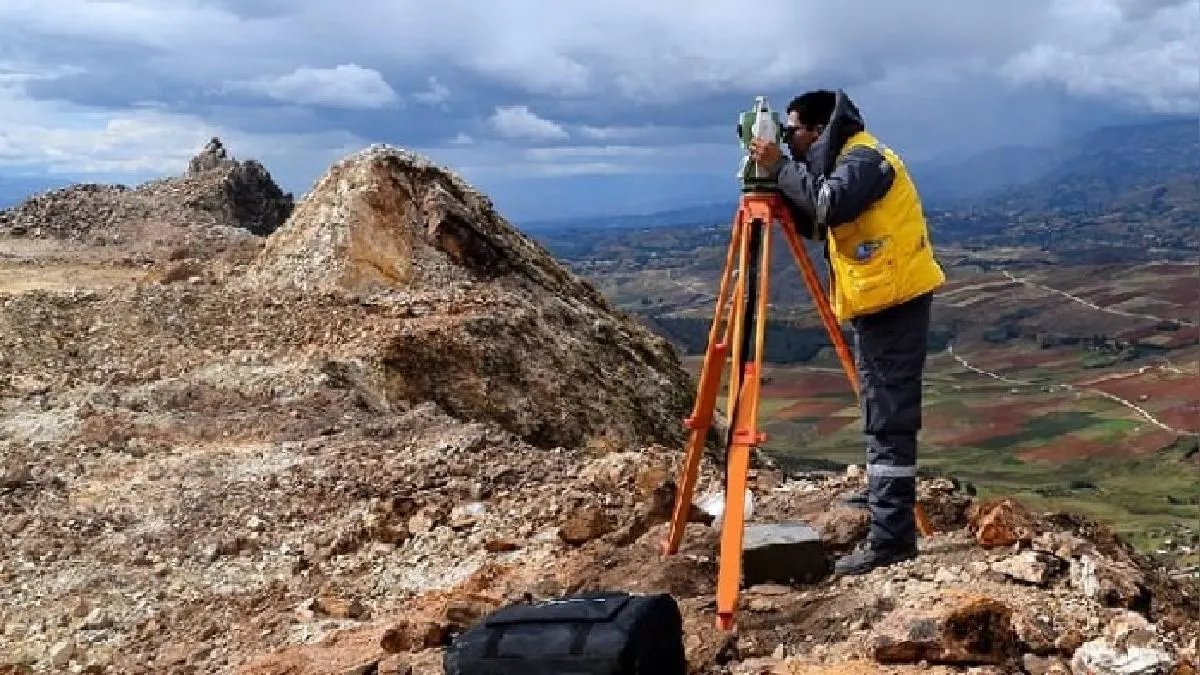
(1105, 425)
(1052, 449)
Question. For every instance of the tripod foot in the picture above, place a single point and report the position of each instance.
(725, 622)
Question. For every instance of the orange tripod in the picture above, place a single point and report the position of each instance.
(757, 213)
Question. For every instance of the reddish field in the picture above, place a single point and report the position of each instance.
(1107, 298)
(1185, 416)
(804, 384)
(1184, 337)
(1071, 447)
(995, 420)
(809, 408)
(1018, 362)
(1151, 386)
(1152, 440)
(832, 424)
(1068, 448)
(1140, 332)
(1179, 290)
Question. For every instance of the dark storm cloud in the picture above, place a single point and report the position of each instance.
(486, 85)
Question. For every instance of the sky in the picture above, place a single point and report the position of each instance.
(555, 107)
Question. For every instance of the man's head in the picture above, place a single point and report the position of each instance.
(808, 114)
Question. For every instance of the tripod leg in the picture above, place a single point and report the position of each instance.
(819, 299)
(745, 435)
(706, 397)
(737, 327)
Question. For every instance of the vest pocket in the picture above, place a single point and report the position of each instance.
(868, 275)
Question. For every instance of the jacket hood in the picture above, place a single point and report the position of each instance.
(843, 123)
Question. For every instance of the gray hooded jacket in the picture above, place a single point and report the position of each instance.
(825, 190)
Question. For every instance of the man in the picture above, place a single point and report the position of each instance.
(852, 192)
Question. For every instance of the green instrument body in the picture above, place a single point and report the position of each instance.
(758, 118)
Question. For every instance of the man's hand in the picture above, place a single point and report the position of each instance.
(765, 153)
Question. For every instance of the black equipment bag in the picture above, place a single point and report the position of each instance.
(593, 634)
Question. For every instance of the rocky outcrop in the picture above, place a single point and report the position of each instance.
(213, 205)
(214, 156)
(386, 219)
(241, 192)
(499, 330)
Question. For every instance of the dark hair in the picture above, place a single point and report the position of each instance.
(814, 107)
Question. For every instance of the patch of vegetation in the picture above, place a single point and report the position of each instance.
(1044, 428)
(1156, 492)
(1092, 359)
(785, 342)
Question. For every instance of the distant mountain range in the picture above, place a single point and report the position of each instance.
(1135, 188)
(1089, 173)
(1083, 174)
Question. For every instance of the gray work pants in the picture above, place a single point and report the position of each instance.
(890, 351)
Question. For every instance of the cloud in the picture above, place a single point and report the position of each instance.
(537, 89)
(519, 121)
(344, 86)
(40, 137)
(613, 151)
(618, 133)
(662, 52)
(436, 95)
(1133, 51)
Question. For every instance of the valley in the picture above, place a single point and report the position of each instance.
(1072, 387)
(1069, 387)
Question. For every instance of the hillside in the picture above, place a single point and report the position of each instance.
(337, 444)
(1095, 170)
(1094, 166)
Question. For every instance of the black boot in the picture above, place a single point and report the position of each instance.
(870, 555)
(858, 500)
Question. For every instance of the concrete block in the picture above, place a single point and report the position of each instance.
(783, 553)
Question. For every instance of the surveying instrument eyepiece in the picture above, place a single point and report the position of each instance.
(736, 336)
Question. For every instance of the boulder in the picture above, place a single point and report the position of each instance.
(951, 628)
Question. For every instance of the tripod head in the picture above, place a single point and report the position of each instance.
(758, 122)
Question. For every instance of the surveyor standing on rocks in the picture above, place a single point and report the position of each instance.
(853, 193)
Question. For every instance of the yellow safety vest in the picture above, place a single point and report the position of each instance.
(884, 257)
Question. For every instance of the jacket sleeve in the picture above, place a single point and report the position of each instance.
(805, 226)
(859, 179)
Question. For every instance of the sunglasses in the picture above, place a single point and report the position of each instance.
(790, 130)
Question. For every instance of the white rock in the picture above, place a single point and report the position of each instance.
(945, 576)
(96, 620)
(1098, 657)
(62, 651)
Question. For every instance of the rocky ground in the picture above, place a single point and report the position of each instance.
(328, 444)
